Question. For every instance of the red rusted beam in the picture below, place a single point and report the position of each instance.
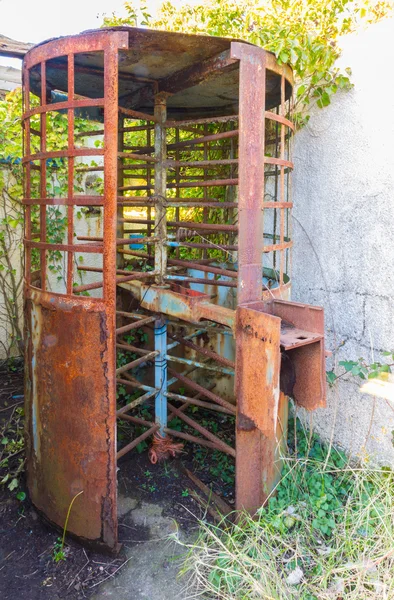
(203, 391)
(135, 325)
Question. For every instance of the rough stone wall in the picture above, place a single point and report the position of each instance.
(343, 191)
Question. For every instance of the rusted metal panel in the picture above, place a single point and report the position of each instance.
(251, 169)
(310, 389)
(257, 391)
(70, 415)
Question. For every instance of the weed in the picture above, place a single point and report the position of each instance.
(58, 549)
(327, 534)
(185, 493)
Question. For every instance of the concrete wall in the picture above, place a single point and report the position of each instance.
(343, 190)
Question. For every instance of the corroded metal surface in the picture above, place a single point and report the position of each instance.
(213, 122)
(70, 414)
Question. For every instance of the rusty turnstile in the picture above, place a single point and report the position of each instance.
(191, 199)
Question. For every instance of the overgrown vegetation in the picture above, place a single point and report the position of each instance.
(327, 534)
(304, 34)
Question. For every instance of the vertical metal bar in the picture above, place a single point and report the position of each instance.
(205, 189)
(177, 178)
(251, 170)
(160, 188)
(43, 175)
(120, 225)
(26, 152)
(282, 179)
(70, 208)
(148, 183)
(161, 374)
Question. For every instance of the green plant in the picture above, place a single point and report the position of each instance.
(12, 446)
(328, 534)
(303, 34)
(185, 493)
(360, 368)
(58, 550)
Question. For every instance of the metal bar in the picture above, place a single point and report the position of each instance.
(186, 337)
(201, 163)
(192, 438)
(99, 284)
(136, 362)
(226, 119)
(131, 382)
(136, 114)
(216, 282)
(135, 403)
(145, 157)
(161, 373)
(131, 348)
(203, 391)
(131, 326)
(201, 403)
(137, 441)
(187, 361)
(58, 106)
(91, 248)
(205, 351)
(70, 200)
(70, 183)
(43, 178)
(210, 183)
(211, 437)
(44, 155)
(160, 188)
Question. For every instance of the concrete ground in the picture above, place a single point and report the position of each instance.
(153, 560)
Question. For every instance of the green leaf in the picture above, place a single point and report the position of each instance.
(13, 485)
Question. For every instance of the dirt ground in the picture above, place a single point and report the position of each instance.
(154, 501)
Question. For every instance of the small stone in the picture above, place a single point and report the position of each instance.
(295, 577)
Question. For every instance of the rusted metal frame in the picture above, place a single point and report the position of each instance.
(43, 179)
(282, 180)
(191, 76)
(206, 177)
(211, 437)
(119, 242)
(212, 245)
(70, 183)
(203, 391)
(160, 259)
(130, 326)
(204, 204)
(100, 284)
(191, 225)
(186, 337)
(65, 247)
(152, 199)
(135, 114)
(205, 351)
(137, 441)
(136, 362)
(251, 169)
(58, 106)
(133, 383)
(63, 153)
(26, 151)
(73, 201)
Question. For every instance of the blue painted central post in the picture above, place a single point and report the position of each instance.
(161, 373)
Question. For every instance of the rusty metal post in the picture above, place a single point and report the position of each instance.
(160, 115)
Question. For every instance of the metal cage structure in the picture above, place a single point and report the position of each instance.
(192, 170)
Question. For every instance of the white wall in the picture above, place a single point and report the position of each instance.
(343, 191)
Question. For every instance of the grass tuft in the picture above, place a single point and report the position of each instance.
(327, 534)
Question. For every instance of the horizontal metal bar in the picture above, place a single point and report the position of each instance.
(135, 403)
(200, 163)
(201, 403)
(131, 348)
(211, 437)
(73, 201)
(209, 183)
(203, 391)
(207, 352)
(137, 441)
(70, 153)
(136, 114)
(135, 384)
(202, 204)
(204, 139)
(136, 325)
(191, 438)
(90, 248)
(145, 157)
(136, 362)
(186, 337)
(216, 282)
(204, 268)
(187, 361)
(38, 110)
(179, 124)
